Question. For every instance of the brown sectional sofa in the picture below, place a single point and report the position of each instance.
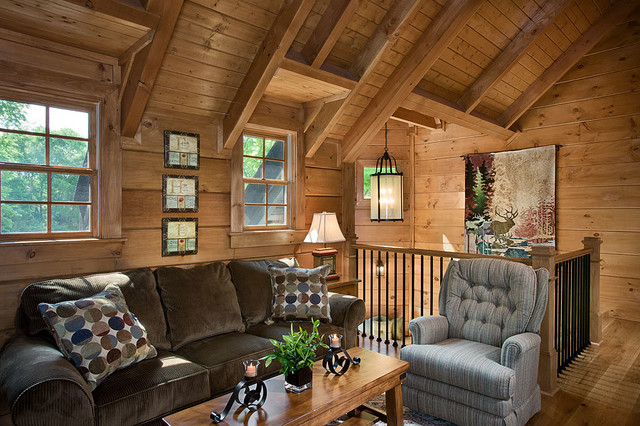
(204, 321)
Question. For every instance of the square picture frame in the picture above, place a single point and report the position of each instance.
(179, 236)
(181, 150)
(179, 193)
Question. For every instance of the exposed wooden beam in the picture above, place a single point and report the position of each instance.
(313, 108)
(414, 117)
(384, 36)
(146, 65)
(318, 74)
(324, 37)
(269, 57)
(120, 10)
(439, 34)
(531, 32)
(430, 104)
(612, 16)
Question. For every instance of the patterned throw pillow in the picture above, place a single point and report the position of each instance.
(300, 294)
(98, 333)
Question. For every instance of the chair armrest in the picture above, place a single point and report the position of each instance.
(347, 312)
(41, 386)
(521, 353)
(429, 329)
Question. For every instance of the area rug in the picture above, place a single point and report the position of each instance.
(411, 418)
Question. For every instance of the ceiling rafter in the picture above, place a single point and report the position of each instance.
(510, 55)
(385, 34)
(416, 118)
(612, 16)
(142, 72)
(270, 55)
(326, 34)
(120, 10)
(424, 53)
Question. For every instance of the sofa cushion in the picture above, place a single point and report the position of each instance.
(150, 390)
(300, 294)
(199, 302)
(253, 286)
(98, 334)
(466, 364)
(223, 355)
(138, 287)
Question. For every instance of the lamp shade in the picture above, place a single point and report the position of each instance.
(324, 229)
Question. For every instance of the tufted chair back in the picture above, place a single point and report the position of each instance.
(490, 300)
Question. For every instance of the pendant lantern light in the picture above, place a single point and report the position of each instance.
(386, 188)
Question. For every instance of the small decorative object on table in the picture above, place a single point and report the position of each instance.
(332, 360)
(253, 399)
(296, 355)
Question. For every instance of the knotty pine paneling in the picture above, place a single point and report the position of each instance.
(593, 114)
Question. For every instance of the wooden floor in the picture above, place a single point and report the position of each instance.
(601, 387)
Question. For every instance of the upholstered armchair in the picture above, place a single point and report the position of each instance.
(476, 363)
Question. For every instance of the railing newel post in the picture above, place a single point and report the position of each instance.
(595, 320)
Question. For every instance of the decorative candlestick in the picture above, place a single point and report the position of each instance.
(332, 362)
(255, 392)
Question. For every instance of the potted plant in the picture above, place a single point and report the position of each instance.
(296, 355)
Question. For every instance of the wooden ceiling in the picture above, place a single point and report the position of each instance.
(349, 64)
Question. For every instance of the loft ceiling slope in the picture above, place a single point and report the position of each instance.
(424, 53)
(269, 57)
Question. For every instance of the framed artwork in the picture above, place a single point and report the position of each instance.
(181, 150)
(179, 193)
(179, 236)
(510, 201)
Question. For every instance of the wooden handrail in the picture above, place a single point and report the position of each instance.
(454, 254)
(572, 255)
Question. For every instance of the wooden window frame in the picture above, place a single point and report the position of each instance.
(105, 168)
(91, 170)
(287, 139)
(244, 237)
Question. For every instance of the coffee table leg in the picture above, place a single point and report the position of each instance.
(394, 406)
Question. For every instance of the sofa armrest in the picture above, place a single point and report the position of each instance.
(521, 353)
(347, 312)
(428, 330)
(41, 386)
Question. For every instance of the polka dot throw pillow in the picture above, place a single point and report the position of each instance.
(98, 333)
(300, 294)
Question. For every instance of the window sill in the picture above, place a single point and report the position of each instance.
(15, 252)
(266, 238)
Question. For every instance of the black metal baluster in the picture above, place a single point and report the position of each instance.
(371, 337)
(395, 299)
(557, 319)
(430, 285)
(386, 304)
(358, 287)
(404, 298)
(379, 339)
(364, 286)
(421, 285)
(413, 285)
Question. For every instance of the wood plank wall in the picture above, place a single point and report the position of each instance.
(593, 113)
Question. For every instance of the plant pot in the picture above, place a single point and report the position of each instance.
(299, 380)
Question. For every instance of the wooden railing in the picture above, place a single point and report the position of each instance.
(399, 284)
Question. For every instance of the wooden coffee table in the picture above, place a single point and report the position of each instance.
(329, 398)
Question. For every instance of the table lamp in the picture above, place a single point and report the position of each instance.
(325, 229)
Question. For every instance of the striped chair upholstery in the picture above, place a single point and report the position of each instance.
(477, 362)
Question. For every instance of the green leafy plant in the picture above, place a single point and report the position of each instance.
(298, 349)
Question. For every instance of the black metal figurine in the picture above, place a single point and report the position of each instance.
(333, 362)
(255, 392)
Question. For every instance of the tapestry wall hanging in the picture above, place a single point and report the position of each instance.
(510, 201)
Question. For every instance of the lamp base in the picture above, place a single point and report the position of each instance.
(326, 256)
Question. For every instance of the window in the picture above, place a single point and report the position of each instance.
(366, 181)
(265, 174)
(48, 174)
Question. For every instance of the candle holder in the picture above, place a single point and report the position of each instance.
(251, 392)
(333, 362)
